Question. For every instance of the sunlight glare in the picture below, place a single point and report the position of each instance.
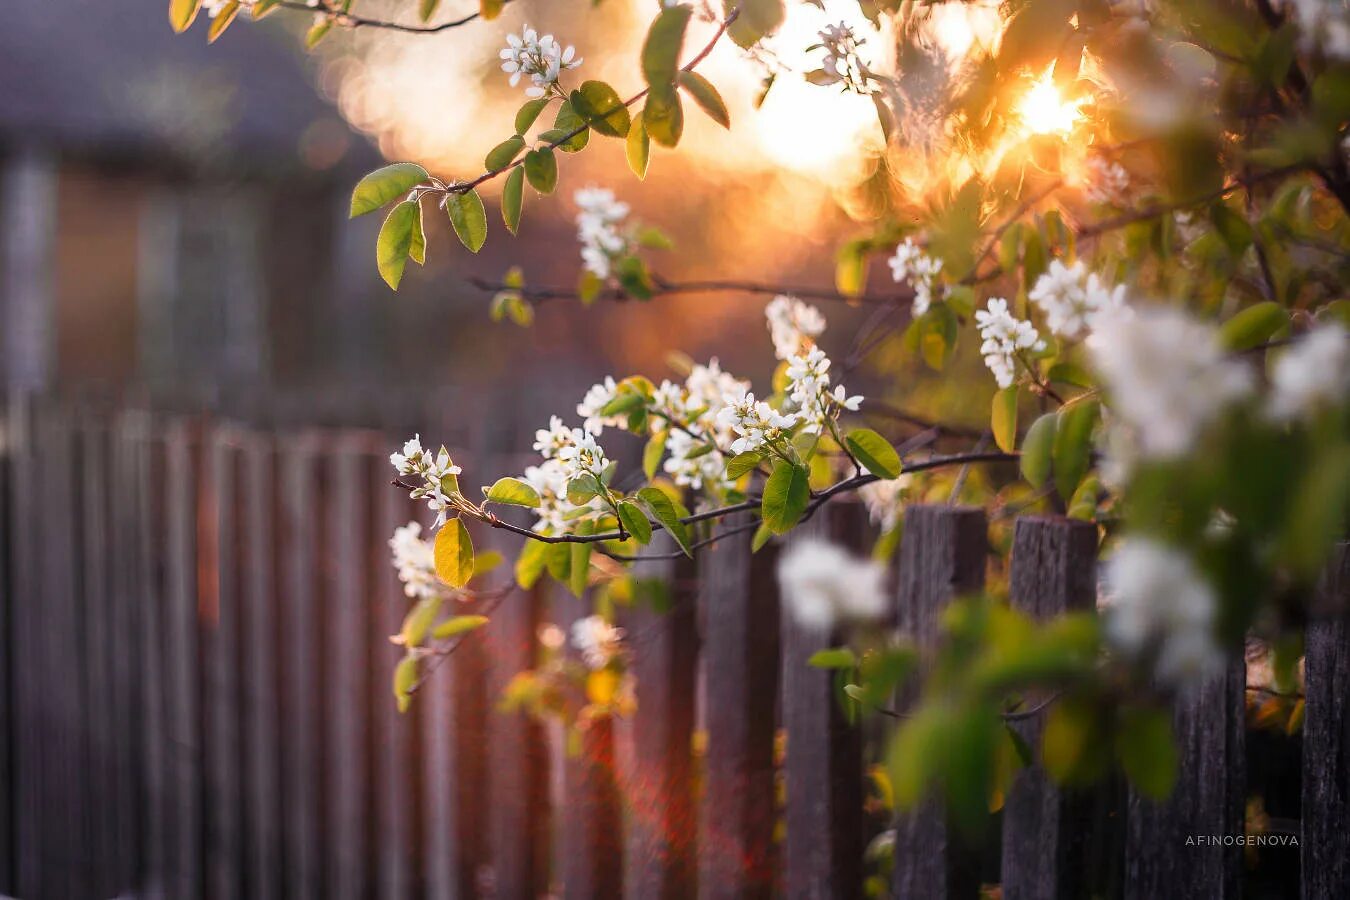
(1044, 110)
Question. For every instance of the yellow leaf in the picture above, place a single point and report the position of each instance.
(454, 554)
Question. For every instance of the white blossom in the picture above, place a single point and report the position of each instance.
(693, 407)
(214, 8)
(549, 480)
(1157, 603)
(595, 400)
(598, 221)
(1167, 375)
(689, 465)
(1312, 374)
(1107, 181)
(1005, 338)
(432, 471)
(415, 560)
(598, 641)
(542, 59)
(809, 391)
(842, 64)
(911, 265)
(824, 585)
(791, 324)
(1073, 299)
(884, 500)
(583, 455)
(756, 423)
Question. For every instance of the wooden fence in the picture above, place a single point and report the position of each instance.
(194, 702)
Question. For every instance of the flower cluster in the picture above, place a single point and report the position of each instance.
(598, 641)
(1005, 337)
(415, 560)
(912, 266)
(842, 64)
(1073, 299)
(691, 411)
(567, 453)
(755, 422)
(824, 585)
(1311, 375)
(792, 323)
(885, 500)
(1107, 181)
(809, 391)
(596, 399)
(1160, 608)
(435, 471)
(542, 59)
(598, 229)
(1168, 377)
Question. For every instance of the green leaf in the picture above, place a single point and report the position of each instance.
(486, 562)
(652, 453)
(513, 491)
(500, 156)
(1003, 421)
(1253, 326)
(1083, 504)
(417, 247)
(582, 489)
(513, 195)
(874, 452)
(1073, 445)
(638, 147)
(757, 19)
(706, 96)
(663, 510)
(635, 521)
(661, 51)
(663, 116)
(579, 572)
(531, 562)
(395, 241)
(418, 621)
(741, 463)
(599, 105)
(181, 14)
(567, 121)
(317, 32)
(541, 168)
(383, 185)
(634, 278)
(427, 8)
(1036, 449)
(833, 658)
(458, 625)
(786, 494)
(850, 268)
(527, 114)
(454, 554)
(1147, 752)
(405, 676)
(468, 218)
(490, 9)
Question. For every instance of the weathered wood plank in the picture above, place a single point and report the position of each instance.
(739, 604)
(218, 606)
(823, 852)
(178, 541)
(942, 556)
(1325, 843)
(1047, 830)
(347, 685)
(1167, 853)
(9, 617)
(663, 824)
(261, 776)
(300, 660)
(592, 832)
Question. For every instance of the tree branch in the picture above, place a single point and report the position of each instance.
(349, 20)
(664, 287)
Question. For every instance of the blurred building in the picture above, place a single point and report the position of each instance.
(169, 213)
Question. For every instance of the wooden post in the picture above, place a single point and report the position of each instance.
(260, 684)
(1325, 843)
(1047, 830)
(942, 556)
(823, 854)
(1166, 854)
(28, 200)
(739, 604)
(218, 606)
(345, 686)
(300, 660)
(663, 832)
(592, 833)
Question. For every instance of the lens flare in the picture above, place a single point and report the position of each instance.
(1044, 110)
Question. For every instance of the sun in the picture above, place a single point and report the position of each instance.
(1044, 110)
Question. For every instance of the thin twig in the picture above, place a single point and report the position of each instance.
(663, 286)
(349, 20)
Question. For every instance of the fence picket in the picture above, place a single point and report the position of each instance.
(822, 856)
(1208, 801)
(1325, 845)
(663, 825)
(942, 556)
(1047, 830)
(739, 614)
